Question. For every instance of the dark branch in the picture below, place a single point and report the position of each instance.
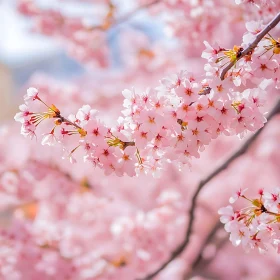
(200, 264)
(199, 261)
(208, 240)
(253, 45)
(242, 150)
(128, 144)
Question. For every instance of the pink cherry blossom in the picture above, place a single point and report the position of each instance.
(253, 227)
(23, 115)
(49, 139)
(238, 194)
(32, 94)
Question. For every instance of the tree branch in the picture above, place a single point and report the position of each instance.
(199, 262)
(209, 239)
(242, 150)
(132, 13)
(126, 17)
(253, 45)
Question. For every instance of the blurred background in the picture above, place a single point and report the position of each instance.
(22, 53)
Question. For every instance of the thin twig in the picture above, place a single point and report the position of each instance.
(242, 150)
(253, 45)
(126, 17)
(64, 120)
(132, 13)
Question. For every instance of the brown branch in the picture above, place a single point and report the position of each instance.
(199, 261)
(132, 13)
(209, 239)
(126, 17)
(200, 264)
(242, 150)
(253, 45)
(66, 121)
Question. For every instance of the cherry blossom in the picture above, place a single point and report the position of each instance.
(238, 194)
(32, 94)
(255, 226)
(49, 139)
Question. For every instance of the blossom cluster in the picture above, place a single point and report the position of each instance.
(173, 122)
(257, 225)
(194, 21)
(258, 66)
(189, 22)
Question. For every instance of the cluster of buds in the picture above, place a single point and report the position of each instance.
(257, 225)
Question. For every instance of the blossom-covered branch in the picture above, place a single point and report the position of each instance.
(241, 151)
(213, 243)
(254, 44)
(171, 123)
